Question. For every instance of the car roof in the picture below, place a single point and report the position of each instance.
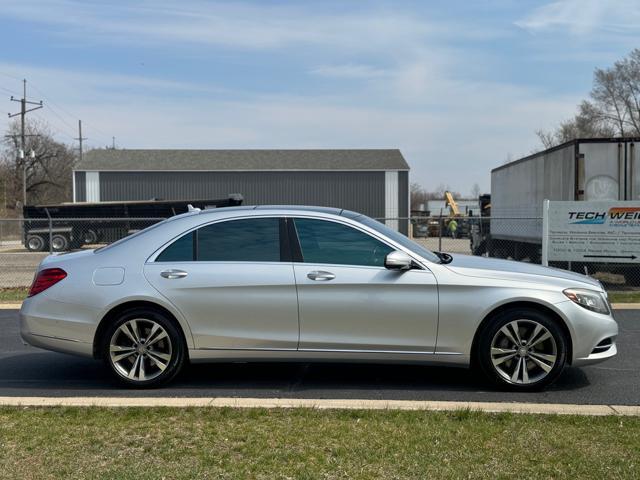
(283, 209)
(288, 208)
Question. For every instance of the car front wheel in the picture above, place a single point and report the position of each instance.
(143, 348)
(522, 350)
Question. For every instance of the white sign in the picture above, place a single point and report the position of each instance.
(606, 232)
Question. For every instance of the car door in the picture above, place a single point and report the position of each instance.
(233, 283)
(349, 301)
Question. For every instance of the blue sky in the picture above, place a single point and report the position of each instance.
(458, 86)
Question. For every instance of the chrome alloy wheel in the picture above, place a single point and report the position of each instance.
(140, 349)
(523, 352)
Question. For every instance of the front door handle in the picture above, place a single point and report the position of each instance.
(320, 276)
(173, 273)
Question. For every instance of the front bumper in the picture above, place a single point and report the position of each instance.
(597, 357)
(588, 331)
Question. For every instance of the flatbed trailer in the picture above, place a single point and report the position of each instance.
(69, 226)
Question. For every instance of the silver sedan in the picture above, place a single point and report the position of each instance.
(310, 284)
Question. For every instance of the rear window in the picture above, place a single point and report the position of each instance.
(182, 250)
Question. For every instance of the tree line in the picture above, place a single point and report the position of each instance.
(48, 168)
(612, 109)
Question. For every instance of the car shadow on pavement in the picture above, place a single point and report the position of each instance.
(51, 374)
(335, 379)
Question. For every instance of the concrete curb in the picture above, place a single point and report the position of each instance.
(323, 404)
(625, 306)
(10, 306)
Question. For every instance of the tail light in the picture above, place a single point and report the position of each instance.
(46, 278)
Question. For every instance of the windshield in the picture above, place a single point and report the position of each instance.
(398, 238)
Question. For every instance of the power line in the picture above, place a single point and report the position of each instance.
(49, 108)
(58, 113)
(102, 136)
(12, 92)
(56, 127)
(10, 76)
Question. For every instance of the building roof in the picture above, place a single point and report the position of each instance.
(238, 160)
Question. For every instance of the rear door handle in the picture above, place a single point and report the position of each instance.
(320, 276)
(173, 273)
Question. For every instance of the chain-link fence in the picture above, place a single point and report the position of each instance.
(24, 243)
(511, 238)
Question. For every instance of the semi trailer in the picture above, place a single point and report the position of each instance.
(68, 226)
(582, 169)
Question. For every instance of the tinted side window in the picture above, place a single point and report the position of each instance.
(179, 251)
(246, 240)
(329, 242)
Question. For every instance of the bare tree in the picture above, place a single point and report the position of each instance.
(418, 195)
(475, 191)
(613, 109)
(438, 193)
(48, 171)
(421, 196)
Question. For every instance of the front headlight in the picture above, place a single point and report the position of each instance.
(588, 299)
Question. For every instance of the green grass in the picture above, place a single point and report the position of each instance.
(624, 297)
(309, 444)
(8, 295)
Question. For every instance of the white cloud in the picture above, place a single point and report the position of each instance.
(239, 25)
(471, 130)
(584, 17)
(350, 70)
(408, 94)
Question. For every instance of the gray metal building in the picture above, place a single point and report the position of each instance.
(374, 182)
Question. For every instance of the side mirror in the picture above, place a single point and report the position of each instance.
(397, 260)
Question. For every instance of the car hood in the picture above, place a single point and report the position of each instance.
(475, 266)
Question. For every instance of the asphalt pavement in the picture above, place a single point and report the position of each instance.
(28, 371)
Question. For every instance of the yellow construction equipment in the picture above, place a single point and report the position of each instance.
(453, 206)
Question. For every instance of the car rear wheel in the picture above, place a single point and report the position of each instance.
(143, 348)
(522, 350)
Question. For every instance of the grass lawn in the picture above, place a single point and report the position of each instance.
(9, 295)
(624, 297)
(305, 443)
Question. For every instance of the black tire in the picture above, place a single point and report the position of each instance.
(90, 237)
(480, 249)
(177, 347)
(532, 361)
(36, 243)
(59, 243)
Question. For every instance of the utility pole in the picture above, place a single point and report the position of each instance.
(80, 139)
(22, 154)
(113, 143)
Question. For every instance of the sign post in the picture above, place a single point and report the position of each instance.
(545, 233)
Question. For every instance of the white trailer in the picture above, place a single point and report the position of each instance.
(583, 169)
